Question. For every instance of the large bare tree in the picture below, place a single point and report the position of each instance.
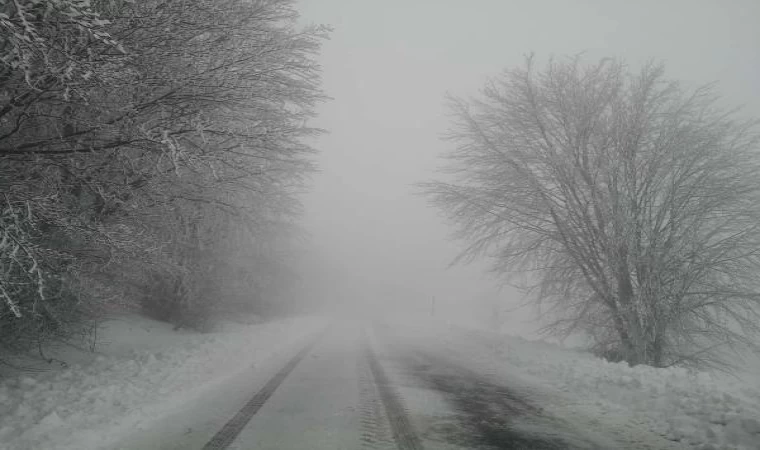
(632, 202)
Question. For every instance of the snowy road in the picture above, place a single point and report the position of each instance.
(357, 386)
(410, 384)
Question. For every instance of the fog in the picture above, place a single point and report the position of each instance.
(156, 291)
(374, 241)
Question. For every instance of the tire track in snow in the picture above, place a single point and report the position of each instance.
(224, 437)
(403, 433)
(375, 432)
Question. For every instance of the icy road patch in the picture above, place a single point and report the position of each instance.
(646, 407)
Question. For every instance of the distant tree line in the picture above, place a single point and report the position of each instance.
(628, 202)
(151, 152)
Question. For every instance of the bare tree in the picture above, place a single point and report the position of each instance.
(632, 202)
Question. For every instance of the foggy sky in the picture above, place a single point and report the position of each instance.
(388, 66)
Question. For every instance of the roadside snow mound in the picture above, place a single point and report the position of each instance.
(128, 387)
(704, 410)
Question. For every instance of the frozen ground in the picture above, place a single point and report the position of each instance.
(699, 410)
(142, 371)
(148, 383)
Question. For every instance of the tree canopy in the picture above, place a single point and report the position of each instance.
(631, 202)
(146, 148)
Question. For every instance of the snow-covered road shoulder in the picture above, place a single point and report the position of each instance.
(147, 372)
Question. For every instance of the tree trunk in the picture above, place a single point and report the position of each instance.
(636, 353)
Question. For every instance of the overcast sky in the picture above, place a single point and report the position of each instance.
(390, 63)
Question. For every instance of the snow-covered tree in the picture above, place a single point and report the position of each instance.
(632, 202)
(163, 129)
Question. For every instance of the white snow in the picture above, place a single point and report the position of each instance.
(144, 370)
(694, 409)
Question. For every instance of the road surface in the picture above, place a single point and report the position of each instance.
(362, 386)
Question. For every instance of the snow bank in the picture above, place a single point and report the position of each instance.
(145, 372)
(703, 410)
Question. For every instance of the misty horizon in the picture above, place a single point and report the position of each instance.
(388, 68)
